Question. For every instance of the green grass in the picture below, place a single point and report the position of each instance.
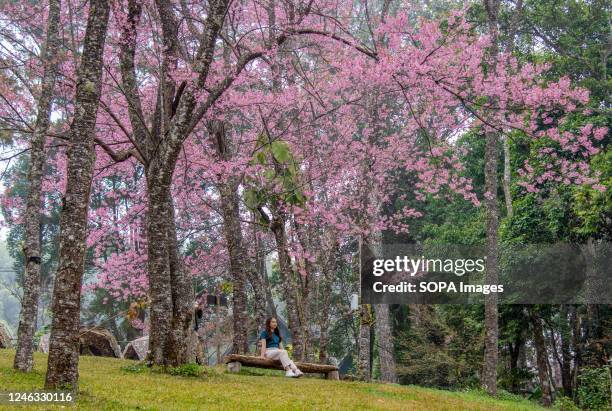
(112, 384)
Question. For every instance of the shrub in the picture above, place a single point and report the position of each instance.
(594, 389)
(186, 370)
(565, 404)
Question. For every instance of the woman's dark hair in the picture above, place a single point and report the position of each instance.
(269, 329)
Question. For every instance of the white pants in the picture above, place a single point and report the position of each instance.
(277, 354)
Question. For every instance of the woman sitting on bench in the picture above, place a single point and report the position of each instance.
(272, 348)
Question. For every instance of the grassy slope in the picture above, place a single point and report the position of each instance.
(104, 385)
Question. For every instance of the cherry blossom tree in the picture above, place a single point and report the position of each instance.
(308, 126)
(24, 359)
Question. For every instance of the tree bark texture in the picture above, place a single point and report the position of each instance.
(307, 237)
(238, 261)
(32, 248)
(382, 324)
(183, 297)
(160, 290)
(169, 287)
(566, 356)
(515, 348)
(489, 377)
(62, 370)
(258, 275)
(512, 31)
(290, 287)
(364, 371)
(577, 346)
(325, 292)
(384, 337)
(507, 176)
(491, 305)
(541, 357)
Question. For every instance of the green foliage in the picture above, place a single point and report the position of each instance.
(540, 220)
(570, 35)
(593, 207)
(594, 389)
(280, 169)
(575, 33)
(443, 350)
(563, 403)
(281, 152)
(508, 379)
(186, 370)
(513, 333)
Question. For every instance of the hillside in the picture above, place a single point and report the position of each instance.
(110, 384)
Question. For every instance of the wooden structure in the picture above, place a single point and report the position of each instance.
(235, 361)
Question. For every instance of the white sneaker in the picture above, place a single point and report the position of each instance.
(290, 373)
(298, 373)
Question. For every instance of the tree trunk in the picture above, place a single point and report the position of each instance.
(328, 273)
(507, 176)
(290, 287)
(363, 369)
(32, 248)
(169, 288)
(541, 356)
(160, 290)
(515, 349)
(62, 370)
(576, 345)
(168, 284)
(566, 356)
(324, 325)
(238, 263)
(260, 295)
(157, 149)
(384, 337)
(258, 278)
(363, 355)
(306, 236)
(489, 378)
(179, 350)
(489, 375)
(511, 34)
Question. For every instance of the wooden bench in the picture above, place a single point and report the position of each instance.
(235, 361)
